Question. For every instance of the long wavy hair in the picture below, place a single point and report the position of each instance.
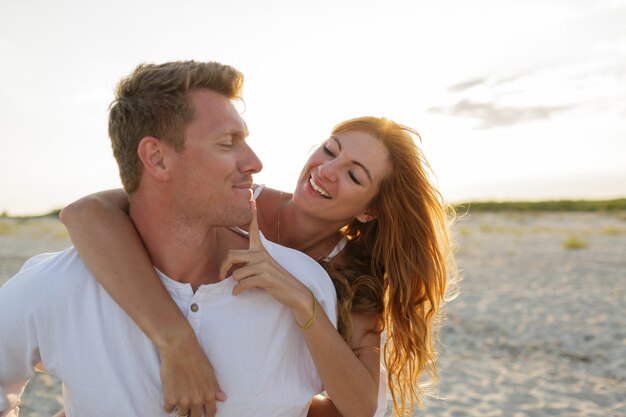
(400, 265)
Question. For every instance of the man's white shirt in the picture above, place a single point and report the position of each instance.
(54, 312)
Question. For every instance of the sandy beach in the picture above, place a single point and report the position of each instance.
(539, 328)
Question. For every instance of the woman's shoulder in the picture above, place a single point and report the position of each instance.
(263, 192)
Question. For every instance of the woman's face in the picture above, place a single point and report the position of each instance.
(342, 177)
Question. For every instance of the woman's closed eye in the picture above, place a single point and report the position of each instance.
(354, 178)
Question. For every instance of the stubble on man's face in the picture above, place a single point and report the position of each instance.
(217, 164)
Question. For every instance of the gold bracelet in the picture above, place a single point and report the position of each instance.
(310, 322)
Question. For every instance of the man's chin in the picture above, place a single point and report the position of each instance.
(240, 219)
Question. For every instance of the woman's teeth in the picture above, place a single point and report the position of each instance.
(318, 189)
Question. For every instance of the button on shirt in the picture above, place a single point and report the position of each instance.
(54, 311)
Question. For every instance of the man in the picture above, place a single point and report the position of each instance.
(180, 146)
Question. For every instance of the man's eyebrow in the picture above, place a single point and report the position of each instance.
(234, 132)
(367, 171)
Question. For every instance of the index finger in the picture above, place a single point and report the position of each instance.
(253, 230)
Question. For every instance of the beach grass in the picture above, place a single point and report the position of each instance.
(615, 205)
(574, 242)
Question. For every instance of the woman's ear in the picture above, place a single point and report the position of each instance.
(365, 217)
(151, 152)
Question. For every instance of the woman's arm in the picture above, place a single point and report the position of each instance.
(110, 246)
(350, 380)
(339, 385)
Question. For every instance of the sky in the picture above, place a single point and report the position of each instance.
(514, 100)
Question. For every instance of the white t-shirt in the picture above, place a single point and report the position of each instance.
(53, 311)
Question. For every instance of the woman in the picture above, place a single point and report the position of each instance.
(365, 208)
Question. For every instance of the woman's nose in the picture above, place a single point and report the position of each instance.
(328, 171)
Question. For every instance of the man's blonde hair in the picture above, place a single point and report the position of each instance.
(153, 101)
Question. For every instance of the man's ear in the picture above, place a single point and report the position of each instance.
(151, 152)
(365, 217)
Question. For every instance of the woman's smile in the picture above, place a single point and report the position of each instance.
(318, 189)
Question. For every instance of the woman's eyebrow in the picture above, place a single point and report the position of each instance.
(367, 171)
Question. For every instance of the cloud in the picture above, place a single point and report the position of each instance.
(492, 115)
(465, 85)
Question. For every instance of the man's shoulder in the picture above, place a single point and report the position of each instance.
(52, 260)
(45, 258)
(50, 270)
(306, 269)
(294, 259)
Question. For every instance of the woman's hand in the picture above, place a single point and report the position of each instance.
(188, 379)
(255, 268)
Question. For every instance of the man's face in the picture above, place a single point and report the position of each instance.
(212, 177)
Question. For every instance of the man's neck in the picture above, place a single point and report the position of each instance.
(184, 251)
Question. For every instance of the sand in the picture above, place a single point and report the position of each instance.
(538, 330)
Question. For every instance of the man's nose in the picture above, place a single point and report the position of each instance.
(251, 163)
